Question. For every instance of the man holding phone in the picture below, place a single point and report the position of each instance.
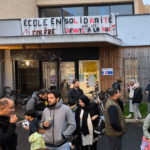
(8, 136)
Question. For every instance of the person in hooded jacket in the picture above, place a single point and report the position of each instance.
(87, 116)
(58, 121)
(38, 102)
(131, 94)
(137, 98)
(36, 139)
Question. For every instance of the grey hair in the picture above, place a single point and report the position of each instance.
(3, 103)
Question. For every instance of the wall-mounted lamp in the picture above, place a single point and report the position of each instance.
(27, 63)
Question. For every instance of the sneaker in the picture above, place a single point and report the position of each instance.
(137, 120)
(72, 147)
(70, 144)
(140, 117)
(129, 116)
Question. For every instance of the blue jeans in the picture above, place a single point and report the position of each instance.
(63, 147)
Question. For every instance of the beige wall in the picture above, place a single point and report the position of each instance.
(15, 9)
(141, 7)
(147, 9)
(77, 2)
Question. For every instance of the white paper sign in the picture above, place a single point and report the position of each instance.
(90, 24)
(41, 26)
(91, 81)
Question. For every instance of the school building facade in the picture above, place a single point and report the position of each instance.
(43, 42)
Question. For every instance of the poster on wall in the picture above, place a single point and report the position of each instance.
(90, 66)
(91, 81)
(69, 25)
(71, 77)
(41, 26)
(81, 78)
(90, 24)
(53, 80)
(107, 71)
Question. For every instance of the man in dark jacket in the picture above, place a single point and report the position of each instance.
(8, 136)
(117, 84)
(76, 92)
(37, 102)
(147, 91)
(137, 98)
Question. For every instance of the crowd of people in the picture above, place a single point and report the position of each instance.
(52, 123)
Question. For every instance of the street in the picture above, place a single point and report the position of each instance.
(131, 140)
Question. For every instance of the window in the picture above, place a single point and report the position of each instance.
(73, 11)
(50, 12)
(96, 11)
(124, 9)
(121, 9)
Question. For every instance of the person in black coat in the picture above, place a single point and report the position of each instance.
(147, 91)
(137, 98)
(76, 92)
(8, 136)
(87, 117)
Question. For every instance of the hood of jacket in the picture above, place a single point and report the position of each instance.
(59, 104)
(35, 95)
(74, 107)
(34, 137)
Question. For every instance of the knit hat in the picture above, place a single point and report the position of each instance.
(132, 80)
(85, 99)
(136, 85)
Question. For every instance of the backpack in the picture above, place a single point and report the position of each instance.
(100, 129)
(25, 101)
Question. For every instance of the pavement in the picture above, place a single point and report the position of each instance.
(133, 120)
(130, 141)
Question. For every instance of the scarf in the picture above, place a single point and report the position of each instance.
(86, 109)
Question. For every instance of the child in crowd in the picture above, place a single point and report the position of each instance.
(30, 115)
(73, 107)
(36, 139)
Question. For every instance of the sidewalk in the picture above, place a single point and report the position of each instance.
(133, 120)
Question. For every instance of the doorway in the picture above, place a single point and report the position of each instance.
(28, 76)
(50, 75)
(89, 76)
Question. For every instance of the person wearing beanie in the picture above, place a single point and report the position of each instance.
(87, 116)
(131, 94)
(137, 98)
